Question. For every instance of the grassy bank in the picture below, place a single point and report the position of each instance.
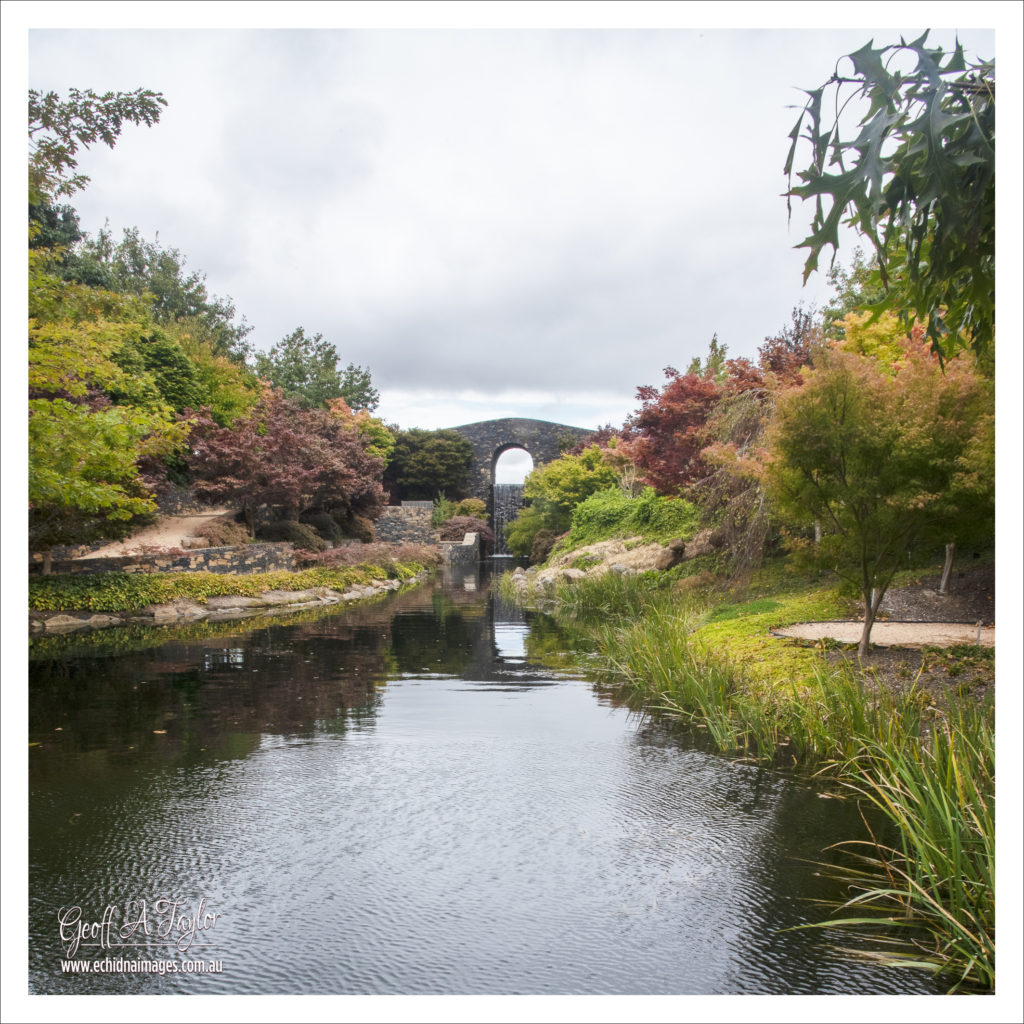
(120, 592)
(928, 765)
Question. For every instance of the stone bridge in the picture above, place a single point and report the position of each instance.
(490, 439)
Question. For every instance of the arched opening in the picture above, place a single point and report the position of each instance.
(511, 468)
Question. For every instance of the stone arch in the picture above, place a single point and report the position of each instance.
(504, 450)
(541, 440)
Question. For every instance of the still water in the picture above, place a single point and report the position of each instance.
(416, 796)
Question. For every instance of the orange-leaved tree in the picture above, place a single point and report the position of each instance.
(882, 461)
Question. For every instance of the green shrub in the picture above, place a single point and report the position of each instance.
(610, 513)
(541, 546)
(300, 534)
(225, 531)
(359, 528)
(324, 524)
(520, 533)
(554, 490)
(443, 510)
(474, 507)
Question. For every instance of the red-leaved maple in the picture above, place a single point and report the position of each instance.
(664, 437)
(286, 457)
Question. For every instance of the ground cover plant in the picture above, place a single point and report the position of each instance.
(114, 592)
(611, 513)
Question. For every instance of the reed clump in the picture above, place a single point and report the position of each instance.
(929, 769)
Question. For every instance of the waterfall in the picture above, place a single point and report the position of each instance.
(508, 500)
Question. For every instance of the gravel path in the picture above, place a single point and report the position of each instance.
(166, 532)
(895, 634)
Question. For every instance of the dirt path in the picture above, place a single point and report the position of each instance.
(166, 532)
(895, 634)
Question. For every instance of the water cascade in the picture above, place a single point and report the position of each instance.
(508, 500)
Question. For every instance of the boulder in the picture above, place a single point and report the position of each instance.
(64, 623)
(235, 601)
(668, 558)
(700, 545)
(181, 608)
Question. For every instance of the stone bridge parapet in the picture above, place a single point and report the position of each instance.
(490, 439)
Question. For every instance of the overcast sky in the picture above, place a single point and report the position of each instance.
(495, 222)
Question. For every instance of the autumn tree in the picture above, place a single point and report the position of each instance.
(882, 462)
(288, 458)
(379, 440)
(917, 180)
(784, 354)
(663, 437)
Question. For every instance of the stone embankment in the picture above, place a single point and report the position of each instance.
(215, 609)
(625, 557)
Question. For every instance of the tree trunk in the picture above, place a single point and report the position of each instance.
(47, 561)
(947, 569)
(872, 599)
(865, 636)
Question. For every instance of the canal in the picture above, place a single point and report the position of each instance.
(421, 795)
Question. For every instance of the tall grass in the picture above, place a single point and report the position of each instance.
(939, 884)
(930, 772)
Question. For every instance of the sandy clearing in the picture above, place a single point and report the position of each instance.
(166, 532)
(894, 634)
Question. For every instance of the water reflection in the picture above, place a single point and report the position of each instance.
(407, 797)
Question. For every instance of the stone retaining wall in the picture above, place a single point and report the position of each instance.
(180, 501)
(408, 524)
(244, 558)
(461, 552)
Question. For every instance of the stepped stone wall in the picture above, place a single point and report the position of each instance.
(463, 552)
(245, 558)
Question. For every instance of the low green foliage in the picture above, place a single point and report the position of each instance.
(735, 611)
(610, 513)
(303, 535)
(475, 507)
(554, 490)
(114, 592)
(443, 510)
